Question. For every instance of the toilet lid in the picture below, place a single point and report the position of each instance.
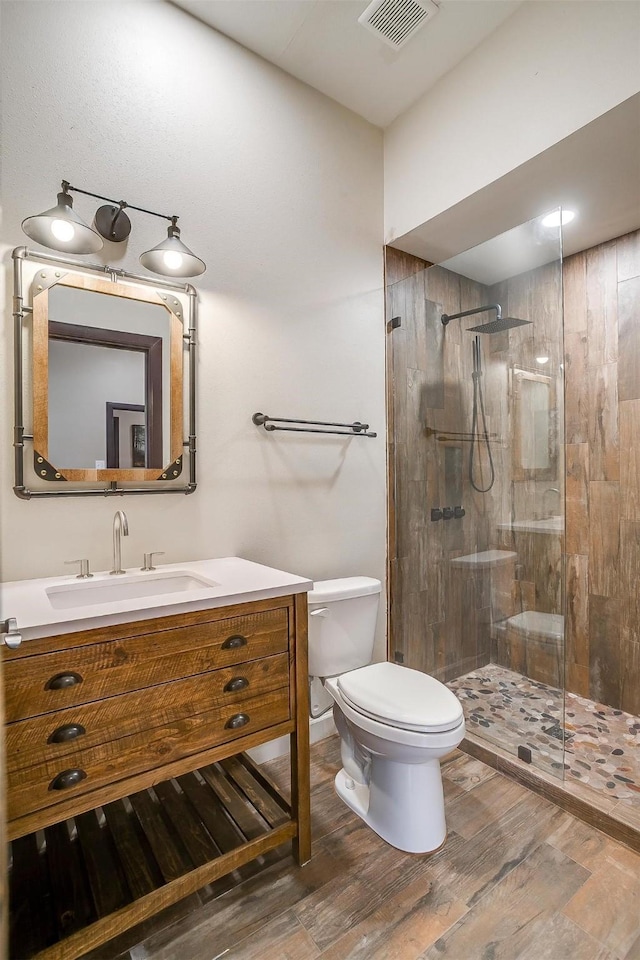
(401, 697)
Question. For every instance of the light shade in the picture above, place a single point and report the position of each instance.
(172, 258)
(62, 229)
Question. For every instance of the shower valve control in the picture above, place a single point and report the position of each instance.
(447, 513)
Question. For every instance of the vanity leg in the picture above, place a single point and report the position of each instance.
(300, 761)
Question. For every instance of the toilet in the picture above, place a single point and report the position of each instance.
(395, 724)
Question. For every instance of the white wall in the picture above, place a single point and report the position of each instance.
(551, 68)
(280, 191)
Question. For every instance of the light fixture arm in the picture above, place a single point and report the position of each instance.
(66, 187)
(115, 216)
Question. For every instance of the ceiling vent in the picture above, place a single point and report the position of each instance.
(395, 21)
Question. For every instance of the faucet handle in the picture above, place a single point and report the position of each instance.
(148, 559)
(84, 569)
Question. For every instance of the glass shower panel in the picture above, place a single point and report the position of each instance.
(477, 466)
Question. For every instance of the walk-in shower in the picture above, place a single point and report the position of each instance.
(478, 556)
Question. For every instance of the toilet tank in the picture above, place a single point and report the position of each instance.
(342, 624)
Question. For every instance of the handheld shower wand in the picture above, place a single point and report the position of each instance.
(478, 401)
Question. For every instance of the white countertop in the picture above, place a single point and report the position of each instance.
(231, 580)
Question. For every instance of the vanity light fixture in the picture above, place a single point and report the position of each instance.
(172, 258)
(62, 229)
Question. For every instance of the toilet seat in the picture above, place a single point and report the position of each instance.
(401, 698)
(423, 739)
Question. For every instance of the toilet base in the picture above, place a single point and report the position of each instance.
(403, 803)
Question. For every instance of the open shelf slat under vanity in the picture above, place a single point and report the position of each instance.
(85, 880)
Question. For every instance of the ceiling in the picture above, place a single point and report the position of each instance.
(595, 171)
(322, 43)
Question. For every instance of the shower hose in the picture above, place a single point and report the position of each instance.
(478, 404)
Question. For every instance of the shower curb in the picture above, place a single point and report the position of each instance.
(555, 792)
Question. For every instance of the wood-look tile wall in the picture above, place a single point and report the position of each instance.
(443, 619)
(445, 616)
(443, 613)
(439, 614)
(602, 344)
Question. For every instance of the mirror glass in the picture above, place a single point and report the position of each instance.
(109, 381)
(534, 424)
(534, 427)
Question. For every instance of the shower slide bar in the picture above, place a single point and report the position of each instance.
(462, 437)
(310, 426)
(470, 438)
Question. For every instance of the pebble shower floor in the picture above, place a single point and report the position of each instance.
(602, 745)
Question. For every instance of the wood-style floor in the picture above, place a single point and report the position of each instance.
(518, 879)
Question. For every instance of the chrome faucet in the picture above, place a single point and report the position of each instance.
(120, 529)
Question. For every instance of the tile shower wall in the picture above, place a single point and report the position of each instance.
(602, 323)
(527, 495)
(440, 615)
(449, 608)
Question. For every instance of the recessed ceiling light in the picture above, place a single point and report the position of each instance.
(542, 359)
(553, 219)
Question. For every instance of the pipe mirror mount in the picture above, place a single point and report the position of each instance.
(113, 354)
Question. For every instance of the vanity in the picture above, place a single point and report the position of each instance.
(130, 703)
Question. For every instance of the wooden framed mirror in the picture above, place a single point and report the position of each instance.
(108, 377)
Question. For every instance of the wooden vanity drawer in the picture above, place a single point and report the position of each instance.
(52, 736)
(32, 788)
(53, 681)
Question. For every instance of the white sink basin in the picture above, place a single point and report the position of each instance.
(55, 605)
(89, 593)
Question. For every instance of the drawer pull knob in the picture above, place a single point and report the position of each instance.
(232, 643)
(67, 732)
(236, 721)
(237, 683)
(68, 778)
(63, 680)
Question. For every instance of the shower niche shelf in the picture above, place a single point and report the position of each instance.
(484, 560)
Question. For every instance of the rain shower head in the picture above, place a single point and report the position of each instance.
(498, 325)
(494, 326)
